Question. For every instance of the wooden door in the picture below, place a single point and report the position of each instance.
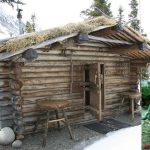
(96, 77)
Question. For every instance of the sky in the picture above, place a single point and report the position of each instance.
(53, 13)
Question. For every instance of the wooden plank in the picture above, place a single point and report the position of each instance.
(126, 37)
(102, 39)
(133, 35)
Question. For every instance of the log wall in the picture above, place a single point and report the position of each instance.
(5, 95)
(49, 77)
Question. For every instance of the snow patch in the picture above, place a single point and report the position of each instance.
(124, 139)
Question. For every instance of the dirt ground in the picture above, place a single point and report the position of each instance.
(60, 140)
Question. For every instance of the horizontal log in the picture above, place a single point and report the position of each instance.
(38, 81)
(5, 102)
(4, 83)
(50, 74)
(121, 81)
(48, 69)
(45, 69)
(119, 77)
(82, 58)
(51, 90)
(47, 86)
(59, 97)
(6, 117)
(113, 95)
(117, 90)
(112, 106)
(113, 112)
(76, 53)
(5, 89)
(48, 63)
(49, 93)
(7, 123)
(4, 95)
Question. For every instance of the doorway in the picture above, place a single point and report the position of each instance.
(94, 90)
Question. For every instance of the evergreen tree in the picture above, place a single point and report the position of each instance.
(133, 16)
(28, 27)
(92, 12)
(12, 2)
(33, 18)
(31, 26)
(120, 14)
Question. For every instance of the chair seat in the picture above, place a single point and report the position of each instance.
(53, 104)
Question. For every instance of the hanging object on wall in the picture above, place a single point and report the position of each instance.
(83, 37)
(7, 136)
(30, 55)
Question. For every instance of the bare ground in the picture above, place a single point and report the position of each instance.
(60, 140)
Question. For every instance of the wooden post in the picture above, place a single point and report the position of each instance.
(99, 86)
(140, 79)
(71, 74)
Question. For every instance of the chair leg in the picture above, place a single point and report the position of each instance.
(57, 117)
(46, 130)
(36, 124)
(67, 124)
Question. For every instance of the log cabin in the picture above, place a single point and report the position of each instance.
(89, 63)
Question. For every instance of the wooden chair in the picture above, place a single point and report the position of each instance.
(49, 106)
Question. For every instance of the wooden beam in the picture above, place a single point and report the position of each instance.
(92, 44)
(125, 49)
(105, 32)
(107, 40)
(141, 61)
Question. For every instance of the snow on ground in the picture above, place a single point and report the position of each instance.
(124, 139)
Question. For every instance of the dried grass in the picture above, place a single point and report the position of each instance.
(38, 37)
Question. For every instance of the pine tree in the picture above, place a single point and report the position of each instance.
(92, 12)
(33, 18)
(28, 27)
(120, 14)
(12, 2)
(133, 16)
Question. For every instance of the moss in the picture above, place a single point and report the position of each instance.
(17, 43)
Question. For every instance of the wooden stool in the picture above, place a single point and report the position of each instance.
(53, 105)
(132, 96)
